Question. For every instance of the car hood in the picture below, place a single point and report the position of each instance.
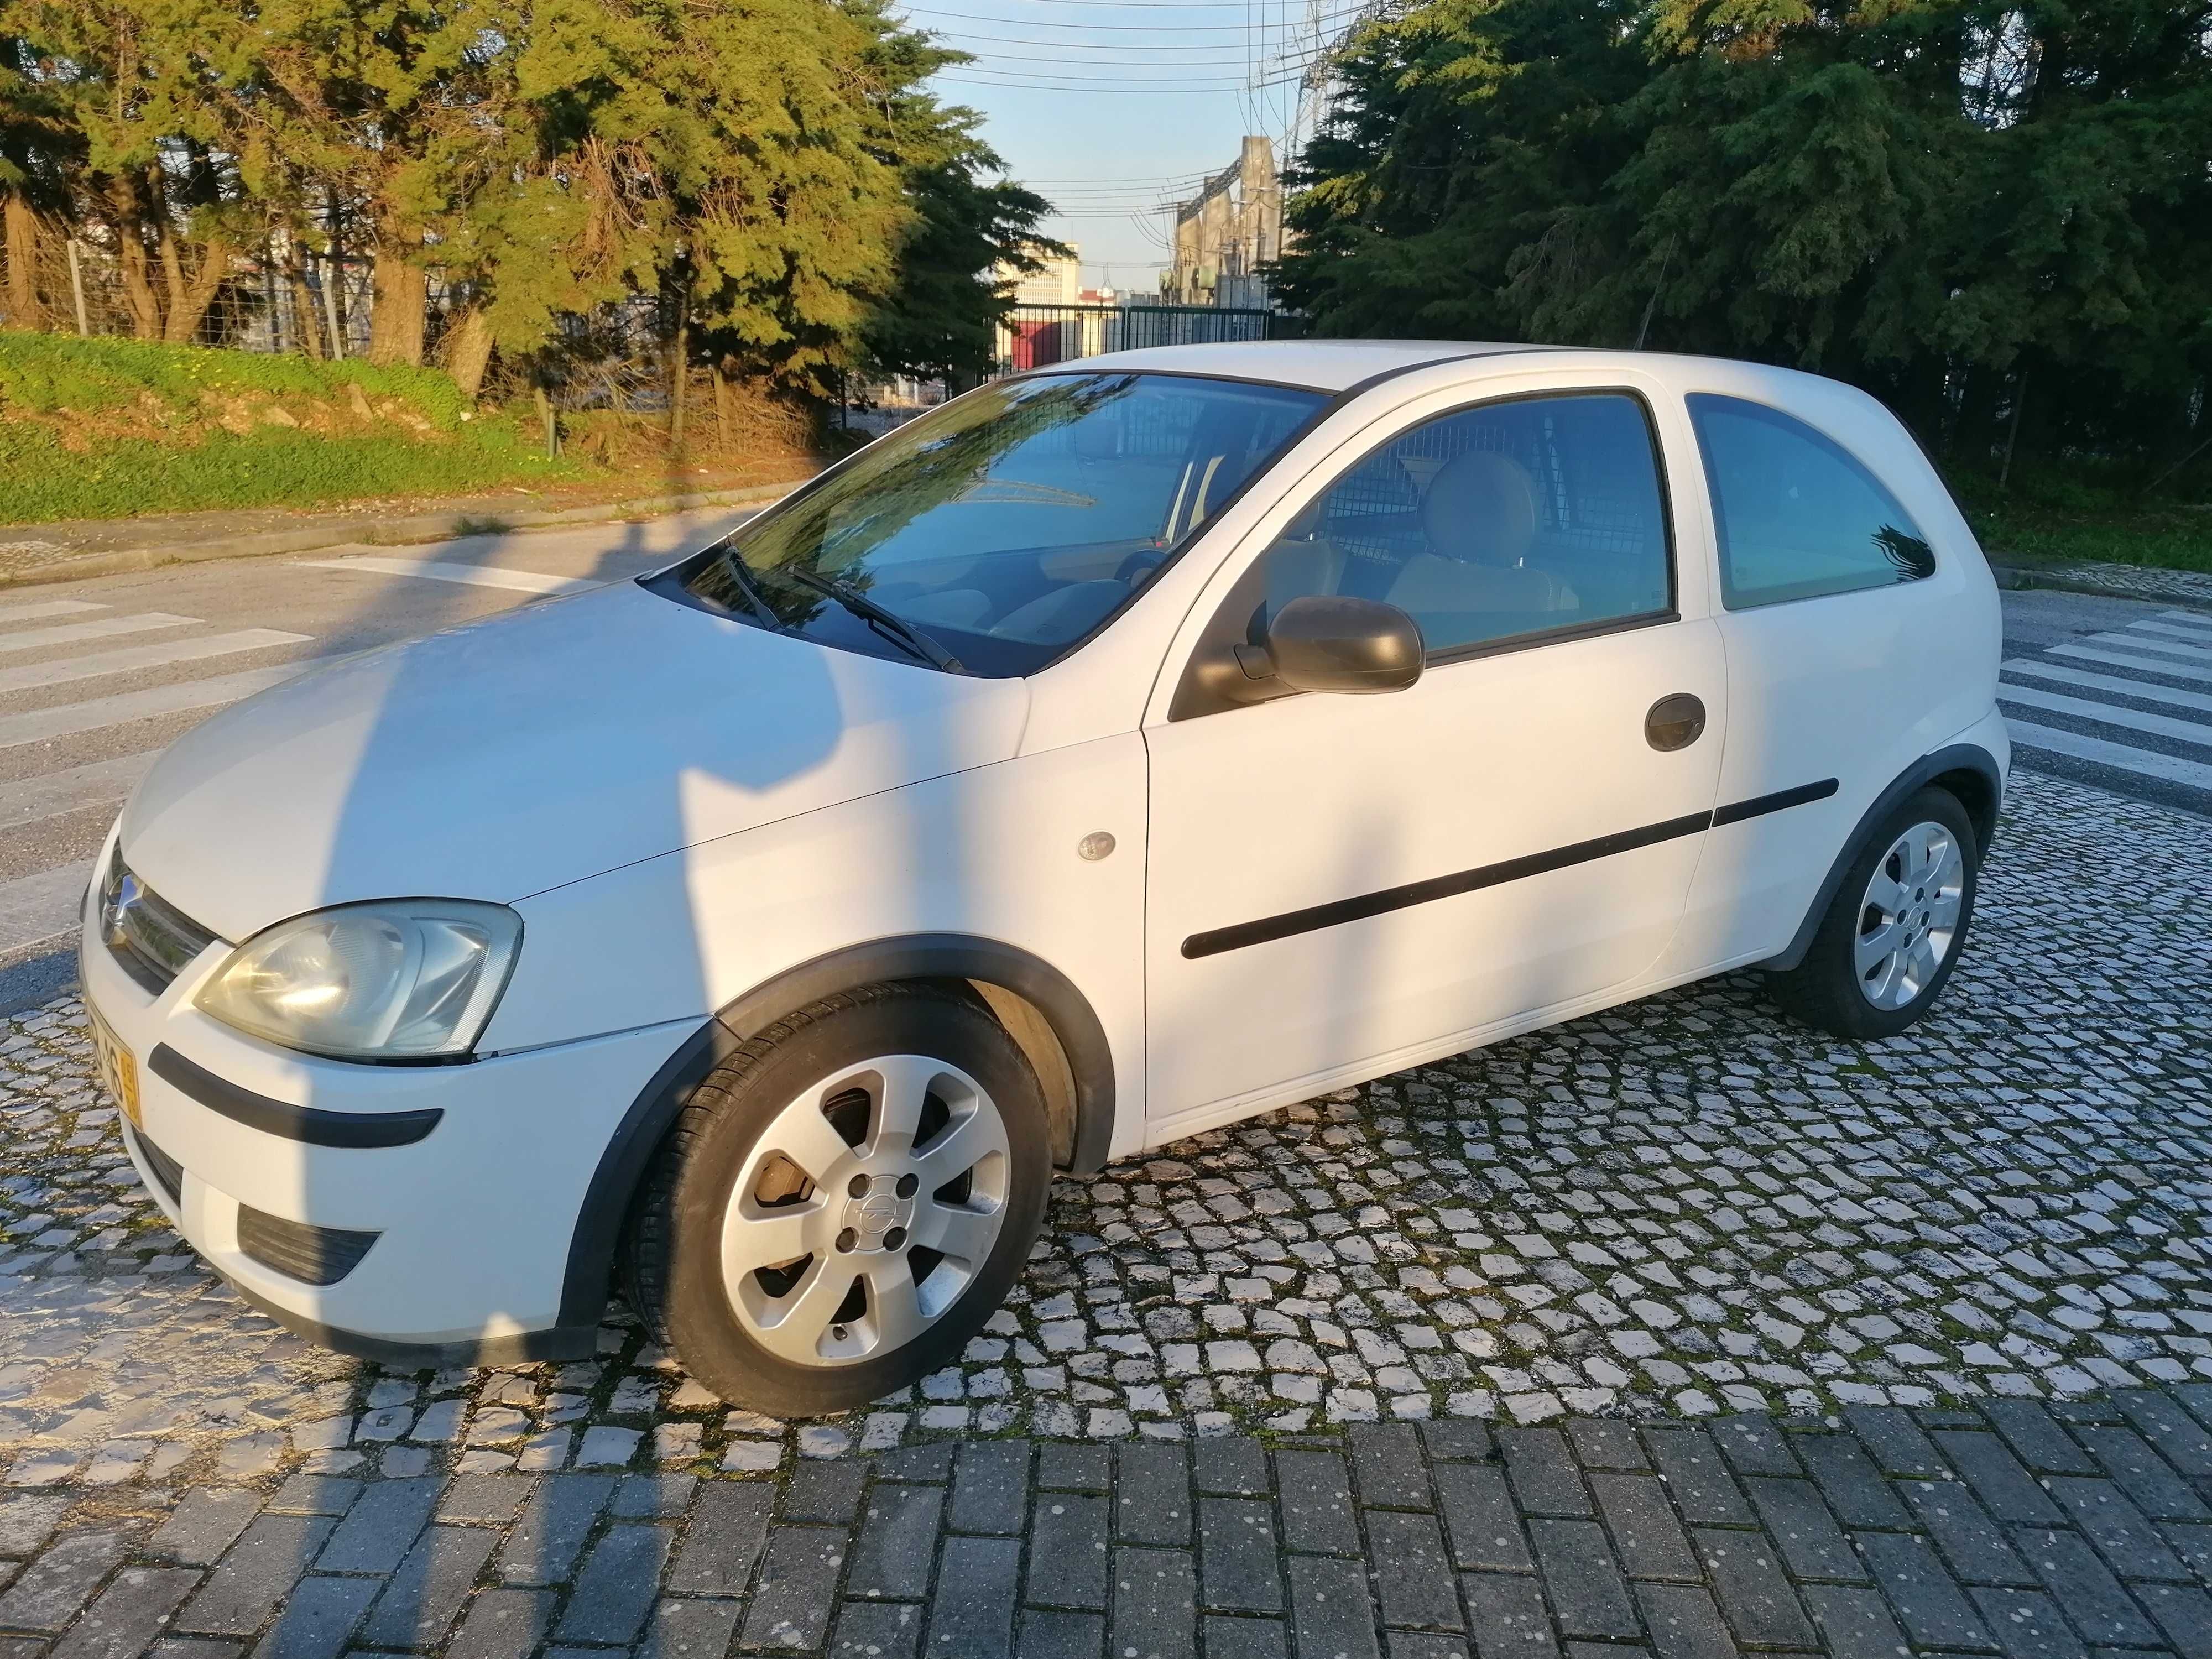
(550, 744)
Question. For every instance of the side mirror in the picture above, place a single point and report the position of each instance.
(1334, 643)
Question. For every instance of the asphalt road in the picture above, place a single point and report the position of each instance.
(97, 676)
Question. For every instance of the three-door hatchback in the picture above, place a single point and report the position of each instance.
(1117, 751)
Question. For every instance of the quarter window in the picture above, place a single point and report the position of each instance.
(1518, 518)
(1797, 516)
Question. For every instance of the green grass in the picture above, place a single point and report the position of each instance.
(2054, 518)
(154, 445)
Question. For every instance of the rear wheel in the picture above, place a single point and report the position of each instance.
(1893, 931)
(844, 1201)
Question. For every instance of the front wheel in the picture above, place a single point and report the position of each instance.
(844, 1201)
(1891, 935)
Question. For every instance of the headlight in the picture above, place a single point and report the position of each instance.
(400, 979)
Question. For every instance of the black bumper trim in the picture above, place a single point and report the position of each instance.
(553, 1342)
(313, 1125)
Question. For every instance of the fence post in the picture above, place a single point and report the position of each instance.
(330, 307)
(76, 291)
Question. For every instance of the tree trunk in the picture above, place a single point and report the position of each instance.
(25, 305)
(307, 327)
(190, 297)
(721, 405)
(468, 350)
(402, 298)
(138, 291)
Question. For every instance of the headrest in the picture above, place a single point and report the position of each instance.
(1481, 509)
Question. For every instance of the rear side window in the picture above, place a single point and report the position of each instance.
(1797, 516)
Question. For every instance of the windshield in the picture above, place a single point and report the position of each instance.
(990, 535)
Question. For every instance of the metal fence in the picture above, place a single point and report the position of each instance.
(1039, 336)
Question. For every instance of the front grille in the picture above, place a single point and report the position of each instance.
(167, 1170)
(151, 939)
(313, 1255)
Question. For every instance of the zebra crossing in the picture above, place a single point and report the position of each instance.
(2132, 703)
(61, 663)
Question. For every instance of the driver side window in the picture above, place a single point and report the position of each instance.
(1510, 520)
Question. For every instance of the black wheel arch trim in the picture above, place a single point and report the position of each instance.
(315, 1125)
(1949, 760)
(916, 956)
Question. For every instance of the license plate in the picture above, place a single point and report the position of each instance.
(117, 1069)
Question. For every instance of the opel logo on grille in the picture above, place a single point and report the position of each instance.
(120, 903)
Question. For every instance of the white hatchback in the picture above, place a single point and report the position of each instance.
(765, 932)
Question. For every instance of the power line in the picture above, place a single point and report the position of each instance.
(1111, 86)
(1133, 28)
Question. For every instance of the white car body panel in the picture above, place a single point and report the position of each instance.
(684, 808)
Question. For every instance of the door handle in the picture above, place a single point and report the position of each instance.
(1674, 722)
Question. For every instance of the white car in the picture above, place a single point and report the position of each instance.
(1116, 752)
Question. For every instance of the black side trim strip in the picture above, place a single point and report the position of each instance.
(312, 1124)
(1437, 887)
(1759, 805)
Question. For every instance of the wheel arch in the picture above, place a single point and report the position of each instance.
(1967, 770)
(1040, 1007)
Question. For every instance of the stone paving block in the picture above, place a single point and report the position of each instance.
(1813, 1545)
(616, 1590)
(1975, 1547)
(1458, 1440)
(1154, 1609)
(126, 1617)
(991, 1486)
(2135, 1547)
(1895, 1441)
(1703, 1491)
(1051, 1635)
(1752, 1445)
(1387, 1467)
(724, 1538)
(2006, 1490)
(865, 1630)
(546, 1541)
(898, 1544)
(1480, 1520)
(1230, 1466)
(2184, 1614)
(319, 1617)
(247, 1583)
(1604, 1444)
(1316, 1491)
(2038, 1439)
(2193, 1544)
(377, 1530)
(930, 1462)
(1068, 1550)
(1543, 1473)
(652, 1497)
(205, 1522)
(2151, 1483)
(1151, 1494)
(1413, 1571)
(2028, 1626)
(1934, 1610)
(1506, 1615)
(419, 1606)
(798, 1588)
(1853, 1623)
(1588, 1594)
(973, 1611)
(1651, 1541)
(2095, 1604)
(1246, 1638)
(196, 1647)
(1746, 1575)
(314, 1494)
(1683, 1622)
(28, 1519)
(49, 1592)
(827, 1492)
(1426, 1644)
(1848, 1478)
(492, 1500)
(2176, 1436)
(688, 1627)
(1331, 1612)
(1062, 1467)
(1238, 1569)
(502, 1624)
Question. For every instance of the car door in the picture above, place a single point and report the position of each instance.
(1339, 885)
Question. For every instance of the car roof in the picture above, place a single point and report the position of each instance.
(1322, 365)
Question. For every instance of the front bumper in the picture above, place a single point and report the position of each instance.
(472, 1177)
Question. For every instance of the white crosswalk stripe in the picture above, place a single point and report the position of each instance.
(56, 646)
(2137, 711)
(476, 575)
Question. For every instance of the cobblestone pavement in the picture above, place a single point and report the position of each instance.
(2147, 582)
(1981, 1244)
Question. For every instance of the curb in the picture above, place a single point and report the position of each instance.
(381, 532)
(2019, 578)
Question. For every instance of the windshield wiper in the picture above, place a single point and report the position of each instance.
(888, 620)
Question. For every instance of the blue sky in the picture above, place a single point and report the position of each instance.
(1110, 107)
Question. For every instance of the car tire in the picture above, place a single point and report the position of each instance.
(798, 1290)
(1887, 946)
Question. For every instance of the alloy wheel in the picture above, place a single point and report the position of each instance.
(1910, 915)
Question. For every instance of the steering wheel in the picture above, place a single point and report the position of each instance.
(1134, 570)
